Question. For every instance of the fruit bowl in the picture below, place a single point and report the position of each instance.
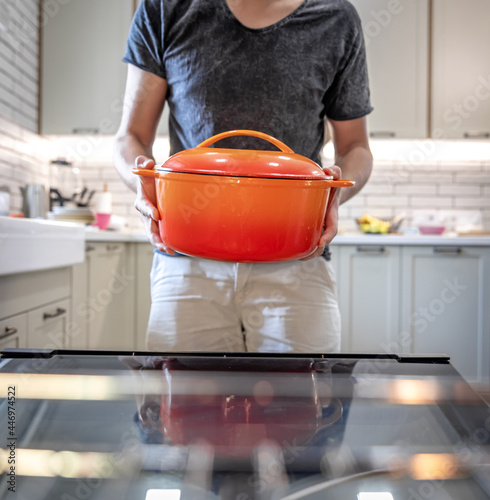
(372, 225)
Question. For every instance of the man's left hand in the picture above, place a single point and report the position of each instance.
(330, 225)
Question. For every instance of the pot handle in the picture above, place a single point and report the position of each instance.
(334, 185)
(145, 172)
(337, 183)
(252, 133)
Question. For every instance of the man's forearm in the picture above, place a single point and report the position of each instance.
(356, 165)
(126, 149)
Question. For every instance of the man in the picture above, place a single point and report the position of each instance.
(283, 67)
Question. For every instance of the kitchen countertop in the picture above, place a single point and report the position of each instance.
(123, 236)
(30, 245)
(35, 245)
(411, 240)
(340, 239)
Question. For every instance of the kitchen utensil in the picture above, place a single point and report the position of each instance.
(56, 199)
(65, 182)
(85, 202)
(34, 201)
(242, 205)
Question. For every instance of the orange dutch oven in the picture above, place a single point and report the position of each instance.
(242, 205)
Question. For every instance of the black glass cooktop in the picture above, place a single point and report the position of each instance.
(168, 426)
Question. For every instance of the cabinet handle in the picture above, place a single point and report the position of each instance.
(59, 311)
(9, 331)
(371, 249)
(448, 250)
(112, 248)
(381, 134)
(89, 249)
(86, 130)
(477, 135)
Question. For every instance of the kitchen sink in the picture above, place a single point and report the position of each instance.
(37, 244)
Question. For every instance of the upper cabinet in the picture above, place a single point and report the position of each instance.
(461, 69)
(396, 35)
(428, 66)
(83, 77)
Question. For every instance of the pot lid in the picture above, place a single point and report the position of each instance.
(244, 162)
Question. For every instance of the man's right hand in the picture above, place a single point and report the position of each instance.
(146, 204)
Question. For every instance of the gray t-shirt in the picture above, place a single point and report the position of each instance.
(283, 80)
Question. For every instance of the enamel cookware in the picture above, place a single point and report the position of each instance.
(242, 205)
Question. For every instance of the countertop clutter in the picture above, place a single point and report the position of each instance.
(35, 244)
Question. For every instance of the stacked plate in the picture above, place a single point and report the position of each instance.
(79, 215)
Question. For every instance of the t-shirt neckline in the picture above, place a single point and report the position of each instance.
(277, 24)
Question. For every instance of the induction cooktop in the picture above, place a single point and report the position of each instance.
(166, 426)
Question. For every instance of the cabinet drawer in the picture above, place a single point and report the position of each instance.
(47, 326)
(13, 331)
(25, 291)
(100, 249)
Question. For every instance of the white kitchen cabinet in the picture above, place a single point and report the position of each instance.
(335, 260)
(396, 36)
(47, 326)
(79, 306)
(144, 259)
(420, 299)
(13, 331)
(368, 280)
(83, 77)
(35, 309)
(444, 308)
(108, 308)
(461, 69)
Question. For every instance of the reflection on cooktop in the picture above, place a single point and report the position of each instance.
(152, 427)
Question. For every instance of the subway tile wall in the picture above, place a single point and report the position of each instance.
(19, 36)
(453, 181)
(23, 159)
(454, 192)
(451, 185)
(449, 180)
(22, 151)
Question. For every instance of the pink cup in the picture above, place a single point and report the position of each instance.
(102, 220)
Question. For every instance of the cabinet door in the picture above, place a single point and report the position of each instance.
(79, 305)
(13, 331)
(110, 302)
(335, 261)
(396, 35)
(144, 259)
(461, 69)
(83, 77)
(368, 298)
(445, 305)
(47, 326)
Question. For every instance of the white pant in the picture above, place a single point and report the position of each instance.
(206, 305)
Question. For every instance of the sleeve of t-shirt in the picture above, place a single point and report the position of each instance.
(144, 47)
(348, 97)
